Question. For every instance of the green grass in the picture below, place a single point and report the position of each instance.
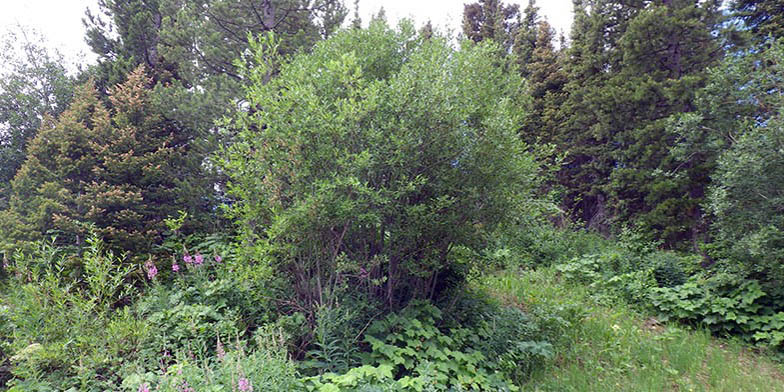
(617, 349)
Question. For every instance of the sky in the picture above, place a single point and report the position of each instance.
(60, 21)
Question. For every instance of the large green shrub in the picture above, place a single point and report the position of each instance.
(372, 158)
(747, 200)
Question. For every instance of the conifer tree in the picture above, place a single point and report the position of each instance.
(546, 82)
(526, 37)
(632, 66)
(124, 170)
(764, 17)
(492, 20)
(33, 83)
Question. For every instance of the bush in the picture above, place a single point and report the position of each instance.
(65, 320)
(380, 154)
(728, 305)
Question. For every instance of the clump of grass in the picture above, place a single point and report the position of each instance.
(616, 349)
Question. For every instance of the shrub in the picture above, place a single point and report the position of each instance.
(727, 305)
(372, 158)
(408, 352)
(63, 319)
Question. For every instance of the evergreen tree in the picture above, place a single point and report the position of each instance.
(764, 17)
(633, 65)
(666, 51)
(582, 133)
(33, 83)
(546, 82)
(124, 170)
(492, 20)
(526, 37)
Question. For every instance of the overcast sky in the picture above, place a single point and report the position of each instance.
(60, 21)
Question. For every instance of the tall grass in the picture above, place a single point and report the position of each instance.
(616, 349)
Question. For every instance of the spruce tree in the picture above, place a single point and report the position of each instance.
(546, 82)
(492, 20)
(632, 66)
(765, 18)
(123, 170)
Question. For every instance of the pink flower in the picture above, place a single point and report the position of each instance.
(151, 269)
(218, 259)
(244, 385)
(144, 388)
(175, 267)
(220, 351)
(198, 259)
(187, 259)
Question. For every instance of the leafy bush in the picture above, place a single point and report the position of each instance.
(415, 350)
(628, 272)
(380, 154)
(748, 202)
(66, 330)
(409, 352)
(728, 306)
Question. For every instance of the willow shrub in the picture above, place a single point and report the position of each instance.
(366, 163)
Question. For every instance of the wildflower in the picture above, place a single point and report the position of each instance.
(244, 385)
(144, 388)
(151, 269)
(218, 259)
(220, 351)
(198, 259)
(187, 259)
(176, 267)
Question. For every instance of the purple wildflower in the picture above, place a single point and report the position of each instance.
(144, 388)
(218, 259)
(198, 259)
(244, 385)
(151, 269)
(176, 267)
(187, 259)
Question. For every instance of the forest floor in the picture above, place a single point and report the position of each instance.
(617, 349)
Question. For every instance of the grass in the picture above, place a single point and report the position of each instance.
(616, 349)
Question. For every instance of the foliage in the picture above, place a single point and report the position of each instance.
(410, 352)
(34, 83)
(381, 153)
(122, 170)
(765, 18)
(728, 306)
(629, 273)
(748, 203)
(265, 368)
(64, 328)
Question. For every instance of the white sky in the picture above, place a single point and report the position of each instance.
(60, 21)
